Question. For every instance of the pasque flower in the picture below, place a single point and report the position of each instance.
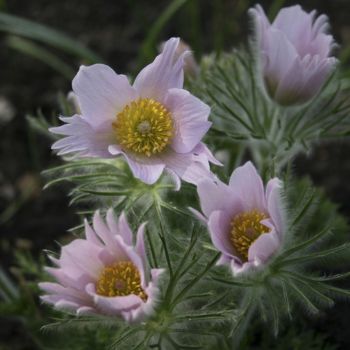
(294, 53)
(245, 221)
(154, 123)
(104, 273)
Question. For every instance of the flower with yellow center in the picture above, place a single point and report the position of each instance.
(245, 229)
(245, 220)
(105, 273)
(144, 127)
(154, 124)
(294, 53)
(120, 279)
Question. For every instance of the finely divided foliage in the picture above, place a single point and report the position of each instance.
(197, 266)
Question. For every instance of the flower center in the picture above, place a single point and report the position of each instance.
(144, 127)
(120, 279)
(245, 229)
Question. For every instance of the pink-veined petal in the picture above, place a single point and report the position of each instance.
(114, 305)
(82, 138)
(204, 155)
(215, 195)
(318, 78)
(109, 238)
(137, 260)
(189, 167)
(296, 24)
(239, 268)
(264, 246)
(290, 87)
(91, 235)
(101, 93)
(111, 222)
(81, 257)
(219, 229)
(148, 171)
(198, 215)
(190, 118)
(274, 204)
(246, 183)
(280, 56)
(124, 229)
(164, 73)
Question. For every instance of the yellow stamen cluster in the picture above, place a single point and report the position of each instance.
(120, 279)
(144, 127)
(245, 229)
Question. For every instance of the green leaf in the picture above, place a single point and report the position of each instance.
(205, 316)
(316, 255)
(306, 203)
(125, 334)
(8, 290)
(301, 245)
(35, 31)
(40, 125)
(31, 49)
(195, 280)
(312, 287)
(232, 282)
(302, 296)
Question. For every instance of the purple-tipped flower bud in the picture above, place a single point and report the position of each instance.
(294, 53)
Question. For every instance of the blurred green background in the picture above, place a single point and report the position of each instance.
(42, 44)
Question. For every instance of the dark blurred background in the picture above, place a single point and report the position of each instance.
(35, 65)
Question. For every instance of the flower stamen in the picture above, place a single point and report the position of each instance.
(144, 127)
(120, 279)
(245, 229)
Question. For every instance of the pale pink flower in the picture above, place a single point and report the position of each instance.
(245, 221)
(104, 273)
(294, 53)
(154, 123)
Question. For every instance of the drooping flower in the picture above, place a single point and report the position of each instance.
(294, 53)
(245, 221)
(104, 273)
(154, 123)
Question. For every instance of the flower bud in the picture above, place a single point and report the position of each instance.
(293, 53)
